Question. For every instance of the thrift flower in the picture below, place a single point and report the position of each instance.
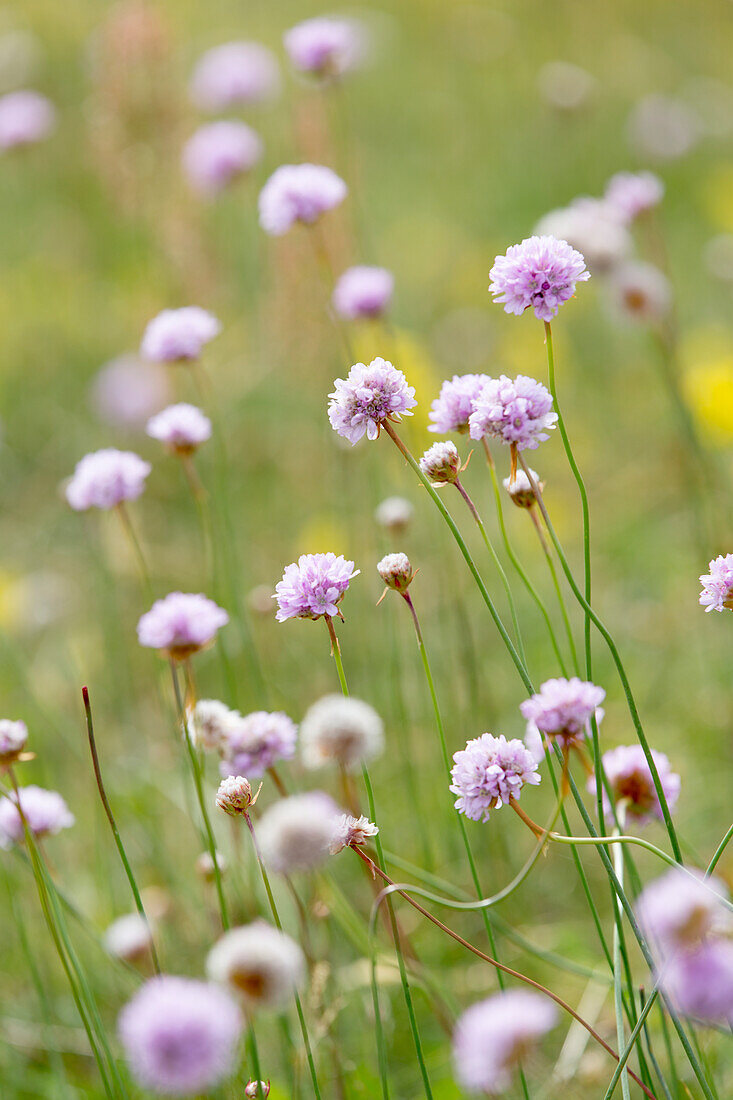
(13, 738)
(339, 730)
(682, 908)
(181, 624)
(298, 193)
(640, 291)
(351, 831)
(178, 335)
(594, 228)
(209, 723)
(257, 742)
(452, 408)
(563, 708)
(717, 585)
(634, 193)
(517, 411)
(441, 463)
(540, 273)
(128, 937)
(313, 586)
(180, 1036)
(630, 778)
(492, 1037)
(183, 428)
(127, 392)
(394, 514)
(490, 771)
(296, 833)
(396, 571)
(325, 47)
(520, 490)
(25, 118)
(233, 74)
(700, 982)
(259, 963)
(369, 396)
(45, 813)
(104, 479)
(234, 795)
(363, 292)
(220, 153)
(205, 866)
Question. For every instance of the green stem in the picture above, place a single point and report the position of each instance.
(624, 1055)
(719, 851)
(137, 550)
(618, 863)
(558, 590)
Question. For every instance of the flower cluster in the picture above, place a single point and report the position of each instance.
(220, 153)
(633, 193)
(45, 813)
(491, 1038)
(563, 708)
(298, 193)
(104, 479)
(451, 410)
(517, 412)
(25, 118)
(338, 730)
(233, 74)
(325, 46)
(262, 965)
(369, 396)
(490, 771)
(182, 428)
(363, 292)
(351, 831)
(717, 585)
(540, 273)
(441, 463)
(394, 514)
(255, 742)
(594, 228)
(13, 738)
(234, 795)
(520, 489)
(630, 778)
(180, 624)
(178, 335)
(313, 586)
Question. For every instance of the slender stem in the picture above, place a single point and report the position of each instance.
(493, 962)
(558, 590)
(198, 784)
(137, 550)
(113, 826)
(624, 1056)
(336, 653)
(719, 851)
(618, 865)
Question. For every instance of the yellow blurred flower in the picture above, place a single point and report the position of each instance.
(409, 354)
(717, 196)
(321, 534)
(708, 387)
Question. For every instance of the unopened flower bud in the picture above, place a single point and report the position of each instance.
(394, 514)
(441, 462)
(396, 571)
(520, 490)
(234, 795)
(206, 868)
(257, 1089)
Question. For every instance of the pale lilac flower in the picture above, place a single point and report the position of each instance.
(178, 335)
(717, 585)
(13, 738)
(563, 708)
(700, 982)
(640, 291)
(629, 776)
(492, 1037)
(361, 403)
(25, 118)
(298, 193)
(540, 273)
(634, 193)
(594, 228)
(313, 586)
(363, 292)
(232, 74)
(218, 154)
(234, 795)
(262, 965)
(182, 428)
(517, 411)
(45, 812)
(104, 479)
(452, 408)
(127, 392)
(682, 908)
(352, 831)
(296, 833)
(490, 771)
(180, 624)
(256, 742)
(339, 730)
(394, 514)
(128, 937)
(520, 489)
(180, 1036)
(441, 462)
(325, 46)
(396, 571)
(209, 724)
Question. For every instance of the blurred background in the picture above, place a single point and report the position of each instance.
(465, 124)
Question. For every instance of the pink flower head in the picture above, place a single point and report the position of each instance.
(234, 73)
(367, 397)
(700, 982)
(452, 408)
(633, 193)
(177, 335)
(104, 479)
(255, 742)
(313, 586)
(517, 411)
(182, 427)
(220, 153)
(13, 737)
(127, 392)
(540, 273)
(717, 585)
(363, 292)
(681, 909)
(180, 1036)
(629, 776)
(45, 813)
(298, 193)
(563, 708)
(325, 47)
(490, 771)
(491, 1037)
(25, 118)
(180, 624)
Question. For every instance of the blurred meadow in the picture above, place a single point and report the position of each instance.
(455, 138)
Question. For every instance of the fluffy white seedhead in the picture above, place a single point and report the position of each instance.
(260, 963)
(296, 833)
(337, 730)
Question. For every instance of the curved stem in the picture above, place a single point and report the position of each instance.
(719, 851)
